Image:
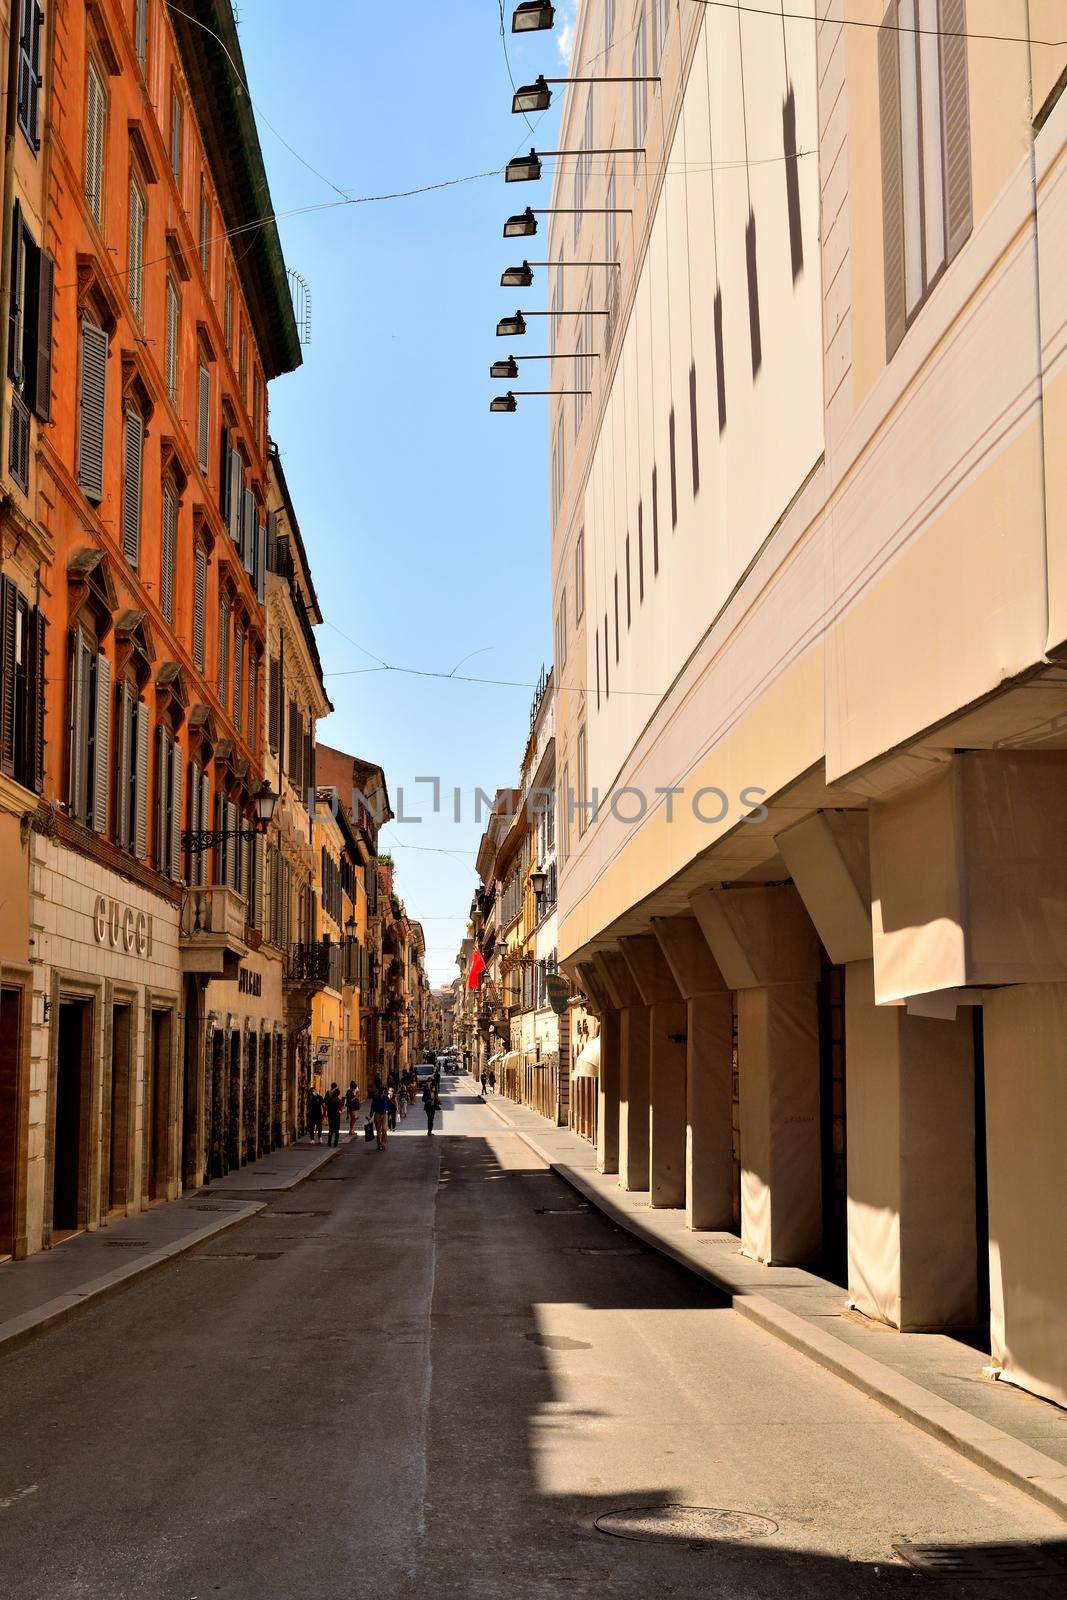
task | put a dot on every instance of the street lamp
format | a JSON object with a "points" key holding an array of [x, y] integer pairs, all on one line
{"points": [[197, 840], [516, 325], [508, 326], [538, 880], [527, 169], [537, 96], [517, 277], [506, 402], [510, 367], [532, 16], [504, 369], [524, 224], [350, 927]]}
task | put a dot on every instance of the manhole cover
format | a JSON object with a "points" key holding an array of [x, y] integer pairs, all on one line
{"points": [[987, 1560], [696, 1526], [125, 1244]]}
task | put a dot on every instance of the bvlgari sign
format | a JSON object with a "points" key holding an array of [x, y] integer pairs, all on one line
{"points": [[122, 927]]}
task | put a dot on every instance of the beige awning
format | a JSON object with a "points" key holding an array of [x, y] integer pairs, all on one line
{"points": [[588, 1063], [513, 1058]]}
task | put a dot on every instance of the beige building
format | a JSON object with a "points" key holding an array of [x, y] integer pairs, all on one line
{"points": [[810, 590]]}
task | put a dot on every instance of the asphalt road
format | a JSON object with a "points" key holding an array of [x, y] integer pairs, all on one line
{"points": [[428, 1372]]}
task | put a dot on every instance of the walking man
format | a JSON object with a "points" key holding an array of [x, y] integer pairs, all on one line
{"points": [[380, 1112], [315, 1109], [333, 1114], [485, 1082], [352, 1107], [431, 1104]]}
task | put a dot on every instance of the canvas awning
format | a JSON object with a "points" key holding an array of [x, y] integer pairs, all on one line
{"points": [[588, 1063], [513, 1058]]}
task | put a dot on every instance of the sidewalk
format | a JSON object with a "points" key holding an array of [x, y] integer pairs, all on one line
{"points": [[931, 1380], [45, 1289]]}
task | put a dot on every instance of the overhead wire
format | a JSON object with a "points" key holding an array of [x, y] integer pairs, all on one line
{"points": [[889, 27]]}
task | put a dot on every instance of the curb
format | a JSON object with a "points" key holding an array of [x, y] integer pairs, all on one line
{"points": [[21, 1329], [218, 1185], [1039, 1476]]}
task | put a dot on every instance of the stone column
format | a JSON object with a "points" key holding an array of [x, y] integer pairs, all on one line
{"points": [[666, 1068], [709, 1165], [633, 1069], [607, 1123], [767, 949]]}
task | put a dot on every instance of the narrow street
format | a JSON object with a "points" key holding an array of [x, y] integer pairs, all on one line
{"points": [[452, 1369]]}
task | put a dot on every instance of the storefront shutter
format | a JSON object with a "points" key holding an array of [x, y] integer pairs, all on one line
{"points": [[175, 810], [133, 457], [42, 398], [8, 609], [101, 743], [92, 395], [956, 111], [140, 839], [892, 187]]}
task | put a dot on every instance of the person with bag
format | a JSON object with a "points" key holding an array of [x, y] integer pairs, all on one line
{"points": [[352, 1107], [431, 1104], [316, 1105], [333, 1114], [380, 1112]]}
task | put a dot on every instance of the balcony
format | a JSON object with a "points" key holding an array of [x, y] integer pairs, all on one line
{"points": [[212, 934], [310, 964]]}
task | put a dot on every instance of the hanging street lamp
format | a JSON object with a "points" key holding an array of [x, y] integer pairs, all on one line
{"points": [[522, 277], [532, 16], [509, 327], [510, 367], [527, 169], [537, 96], [506, 402], [524, 224], [197, 840]]}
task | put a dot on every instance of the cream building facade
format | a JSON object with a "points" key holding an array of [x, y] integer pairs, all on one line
{"points": [[808, 551]]}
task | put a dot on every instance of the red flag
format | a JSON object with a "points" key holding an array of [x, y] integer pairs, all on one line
{"points": [[477, 967]]}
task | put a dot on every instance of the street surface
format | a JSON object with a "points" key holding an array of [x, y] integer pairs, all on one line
{"points": [[427, 1372]]}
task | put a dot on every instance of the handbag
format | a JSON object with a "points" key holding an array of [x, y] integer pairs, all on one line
{"points": [[368, 1131]]}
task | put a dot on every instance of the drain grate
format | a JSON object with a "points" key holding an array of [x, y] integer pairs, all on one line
{"points": [[271, 1214], [604, 1249], [696, 1526], [197, 1210], [125, 1244], [987, 1560], [560, 1211], [239, 1255]]}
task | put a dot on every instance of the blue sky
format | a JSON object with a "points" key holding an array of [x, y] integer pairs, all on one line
{"points": [[425, 518]]}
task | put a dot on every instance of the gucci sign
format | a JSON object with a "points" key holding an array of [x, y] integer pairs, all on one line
{"points": [[121, 927]]}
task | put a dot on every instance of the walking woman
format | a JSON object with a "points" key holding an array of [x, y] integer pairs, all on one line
{"points": [[352, 1107], [316, 1106], [431, 1104]]}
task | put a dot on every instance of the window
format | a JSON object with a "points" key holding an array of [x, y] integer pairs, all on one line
{"points": [[140, 30], [579, 577], [199, 820], [582, 777], [257, 408], [253, 698], [135, 257], [639, 90], [169, 772], [925, 139], [90, 726], [609, 24], [199, 604], [22, 680], [655, 523], [29, 340], [607, 670], [242, 369], [228, 317], [597, 648], [557, 302], [224, 650], [611, 247], [92, 394], [558, 465], [131, 772], [95, 133], [169, 557], [659, 32], [31, 35], [274, 703], [177, 129], [171, 351], [205, 227], [203, 419], [238, 675], [673, 462], [132, 477], [640, 550], [18, 455], [561, 630], [583, 167]]}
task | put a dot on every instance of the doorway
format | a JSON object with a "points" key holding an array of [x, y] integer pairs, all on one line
{"points": [[157, 1105], [233, 1140], [832, 1124], [70, 1117], [217, 1163], [118, 1159], [11, 1041]]}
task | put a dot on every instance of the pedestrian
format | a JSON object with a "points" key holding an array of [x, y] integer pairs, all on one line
{"points": [[334, 1103], [492, 1081], [316, 1105], [379, 1108], [485, 1082], [352, 1107], [431, 1104], [392, 1110], [402, 1100]]}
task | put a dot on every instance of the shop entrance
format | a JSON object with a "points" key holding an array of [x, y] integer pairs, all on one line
{"points": [[233, 1126], [832, 1124], [70, 1114], [217, 1106], [157, 1106], [118, 1160], [10, 1099]]}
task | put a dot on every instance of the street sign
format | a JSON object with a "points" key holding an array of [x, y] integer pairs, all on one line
{"points": [[558, 992]]}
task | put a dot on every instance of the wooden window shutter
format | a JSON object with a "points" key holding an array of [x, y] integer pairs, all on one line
{"points": [[237, 482], [203, 430], [170, 551], [140, 822], [133, 457], [162, 809], [135, 262], [176, 137], [101, 778], [8, 628], [42, 397], [274, 707], [199, 604], [15, 297], [238, 674], [892, 186], [205, 812], [78, 710], [272, 541], [261, 562], [95, 112], [231, 851], [35, 677], [248, 529], [955, 111], [224, 651], [124, 727], [253, 696], [224, 477], [171, 349], [293, 763], [92, 397], [175, 810], [243, 885]]}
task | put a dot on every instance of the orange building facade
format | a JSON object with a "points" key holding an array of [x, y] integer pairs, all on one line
{"points": [[137, 422]]}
